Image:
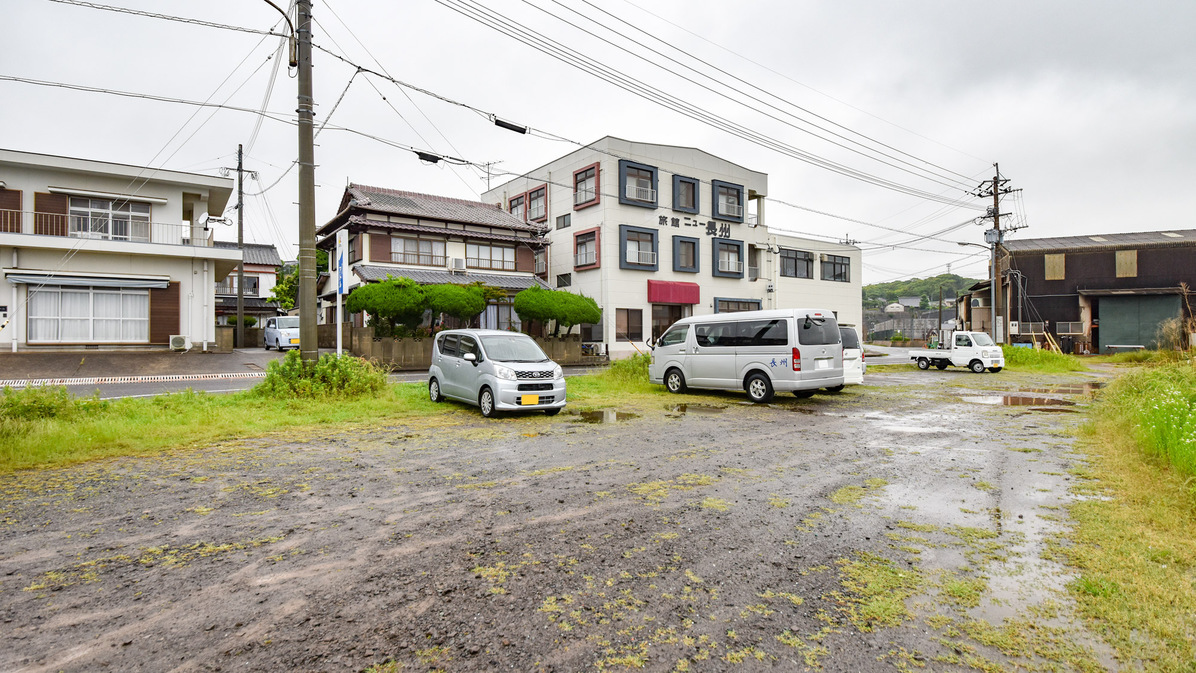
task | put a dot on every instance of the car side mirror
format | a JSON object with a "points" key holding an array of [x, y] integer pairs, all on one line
{"points": [[650, 343], [470, 357]]}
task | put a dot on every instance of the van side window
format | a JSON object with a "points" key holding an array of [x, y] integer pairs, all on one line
{"points": [[963, 340], [448, 345], [818, 331], [715, 335], [674, 336], [763, 333]]}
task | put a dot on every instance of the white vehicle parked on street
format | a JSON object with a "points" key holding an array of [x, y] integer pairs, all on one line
{"points": [[974, 350], [281, 332], [495, 371], [793, 350], [854, 366]]}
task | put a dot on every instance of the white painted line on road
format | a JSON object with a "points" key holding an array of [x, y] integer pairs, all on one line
{"points": [[24, 383]]}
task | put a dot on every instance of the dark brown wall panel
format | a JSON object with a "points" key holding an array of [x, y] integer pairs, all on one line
{"points": [[525, 259], [379, 248], [50, 214], [10, 211], [164, 313]]}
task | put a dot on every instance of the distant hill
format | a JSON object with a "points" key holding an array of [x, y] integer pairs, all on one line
{"points": [[880, 294]]}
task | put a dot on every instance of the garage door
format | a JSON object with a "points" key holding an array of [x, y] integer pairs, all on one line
{"points": [[1127, 321]]}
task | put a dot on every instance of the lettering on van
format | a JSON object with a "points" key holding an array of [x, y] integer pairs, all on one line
{"points": [[784, 362], [713, 229]]}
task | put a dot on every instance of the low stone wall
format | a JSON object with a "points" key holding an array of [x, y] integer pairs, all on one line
{"points": [[224, 339], [326, 335], [416, 353]]}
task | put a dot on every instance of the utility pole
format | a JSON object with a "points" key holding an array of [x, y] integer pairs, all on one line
{"points": [[994, 237], [939, 329], [241, 249], [308, 346]]}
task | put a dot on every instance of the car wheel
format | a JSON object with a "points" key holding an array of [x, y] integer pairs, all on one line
{"points": [[434, 391], [977, 366], [486, 402], [803, 394], [923, 364], [994, 369], [759, 389], [551, 412], [674, 381], [836, 389], [941, 365], [265, 344]]}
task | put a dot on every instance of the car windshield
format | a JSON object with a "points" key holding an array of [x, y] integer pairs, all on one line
{"points": [[288, 323], [513, 348], [850, 340], [983, 339]]}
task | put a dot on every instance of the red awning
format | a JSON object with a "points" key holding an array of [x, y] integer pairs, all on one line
{"points": [[670, 292]]}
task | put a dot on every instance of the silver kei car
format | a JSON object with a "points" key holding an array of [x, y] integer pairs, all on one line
{"points": [[495, 371]]}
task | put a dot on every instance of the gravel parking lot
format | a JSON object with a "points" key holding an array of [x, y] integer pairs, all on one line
{"points": [[898, 525]]}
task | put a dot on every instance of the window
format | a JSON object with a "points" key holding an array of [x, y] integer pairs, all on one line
{"points": [[417, 251], [797, 264], [728, 200], [685, 254], [629, 324], [1054, 267], [735, 305], [585, 187], [728, 258], [639, 248], [564, 279], [963, 341], [487, 256], [685, 194], [637, 184], [763, 333], [585, 249], [541, 259], [516, 206], [229, 285], [1127, 263], [448, 344], [355, 248], [537, 204], [84, 314], [674, 336], [664, 315], [837, 268], [592, 332], [563, 221], [114, 220]]}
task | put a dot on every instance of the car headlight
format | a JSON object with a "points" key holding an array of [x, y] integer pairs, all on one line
{"points": [[557, 372], [504, 373]]}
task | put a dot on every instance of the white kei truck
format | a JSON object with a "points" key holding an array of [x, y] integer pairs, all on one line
{"points": [[974, 350]]}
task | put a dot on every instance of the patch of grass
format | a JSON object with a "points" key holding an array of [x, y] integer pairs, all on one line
{"points": [[1156, 406], [877, 591], [965, 592], [328, 377], [1042, 361], [1135, 547]]}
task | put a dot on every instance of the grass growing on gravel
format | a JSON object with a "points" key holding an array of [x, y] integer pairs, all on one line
{"points": [[1135, 550], [1040, 360]]}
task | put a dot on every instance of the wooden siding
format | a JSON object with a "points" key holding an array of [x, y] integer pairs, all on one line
{"points": [[51, 214], [10, 211], [525, 259], [163, 313], [379, 247]]}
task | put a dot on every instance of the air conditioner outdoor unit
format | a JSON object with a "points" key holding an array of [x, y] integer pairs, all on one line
{"points": [[978, 302], [457, 264], [180, 342]]}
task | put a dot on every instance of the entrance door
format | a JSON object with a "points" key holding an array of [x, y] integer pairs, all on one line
{"points": [[664, 315]]}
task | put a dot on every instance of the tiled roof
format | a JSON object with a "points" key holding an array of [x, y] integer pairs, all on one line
{"points": [[1144, 239], [428, 206], [430, 277], [257, 304], [329, 241], [255, 253]]}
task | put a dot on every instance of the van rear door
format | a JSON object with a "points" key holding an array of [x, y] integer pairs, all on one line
{"points": [[820, 346]]}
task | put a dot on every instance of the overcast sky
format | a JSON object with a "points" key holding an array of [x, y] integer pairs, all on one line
{"points": [[1088, 106]]}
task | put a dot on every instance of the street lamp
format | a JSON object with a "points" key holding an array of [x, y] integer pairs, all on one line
{"points": [[992, 287]]}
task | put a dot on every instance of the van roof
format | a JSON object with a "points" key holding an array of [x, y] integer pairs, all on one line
{"points": [[764, 314]]}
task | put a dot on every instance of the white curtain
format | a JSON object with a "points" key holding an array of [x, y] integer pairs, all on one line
{"points": [[43, 315]]}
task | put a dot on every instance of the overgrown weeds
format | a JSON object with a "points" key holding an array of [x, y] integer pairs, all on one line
{"points": [[1156, 407], [330, 376], [1040, 360]]}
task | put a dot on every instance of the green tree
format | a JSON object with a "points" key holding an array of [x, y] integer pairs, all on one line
{"points": [[286, 288], [564, 309], [534, 303], [924, 302], [578, 310], [463, 302], [394, 301]]}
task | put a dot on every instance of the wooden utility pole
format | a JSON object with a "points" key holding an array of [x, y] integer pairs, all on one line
{"points": [[308, 346], [240, 249], [994, 237]]}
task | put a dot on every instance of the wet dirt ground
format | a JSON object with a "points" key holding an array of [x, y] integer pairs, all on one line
{"points": [[901, 525]]}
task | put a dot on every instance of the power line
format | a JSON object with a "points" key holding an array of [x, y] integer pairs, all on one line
{"points": [[168, 17]]}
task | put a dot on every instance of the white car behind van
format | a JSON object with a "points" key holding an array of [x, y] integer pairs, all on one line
{"points": [[761, 352]]}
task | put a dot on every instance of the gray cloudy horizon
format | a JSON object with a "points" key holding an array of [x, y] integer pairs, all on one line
{"points": [[1090, 107]]}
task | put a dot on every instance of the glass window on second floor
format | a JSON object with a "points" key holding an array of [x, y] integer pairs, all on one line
{"points": [[537, 204], [637, 184], [797, 264], [487, 256], [640, 248], [585, 186], [728, 202], [685, 194], [417, 251], [586, 249], [107, 219], [728, 258], [837, 268], [516, 206]]}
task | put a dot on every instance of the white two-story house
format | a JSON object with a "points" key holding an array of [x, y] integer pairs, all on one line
{"points": [[103, 255], [432, 240], [655, 233]]}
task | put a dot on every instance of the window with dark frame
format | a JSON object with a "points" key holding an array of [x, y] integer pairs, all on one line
{"points": [[516, 206], [729, 258], [585, 186], [736, 305], [564, 279], [687, 254], [592, 332], [637, 184], [563, 221], [489, 256], [586, 249], [797, 264], [537, 204], [629, 324], [685, 194], [640, 248], [836, 268]]}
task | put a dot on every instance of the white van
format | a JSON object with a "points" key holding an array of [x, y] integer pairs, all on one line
{"points": [[796, 350]]}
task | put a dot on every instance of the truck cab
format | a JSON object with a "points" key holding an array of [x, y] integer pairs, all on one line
{"points": [[974, 350]]}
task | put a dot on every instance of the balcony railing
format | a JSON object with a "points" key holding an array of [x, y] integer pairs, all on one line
{"points": [[1069, 327], [492, 264], [536, 213], [231, 288], [585, 258], [752, 219], [418, 258], [730, 209], [129, 230], [583, 196], [730, 266], [641, 193], [753, 273], [646, 257], [541, 267]]}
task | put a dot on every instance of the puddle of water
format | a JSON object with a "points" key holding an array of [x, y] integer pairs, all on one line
{"points": [[604, 416], [697, 409], [1016, 400], [1085, 388], [1056, 410]]}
